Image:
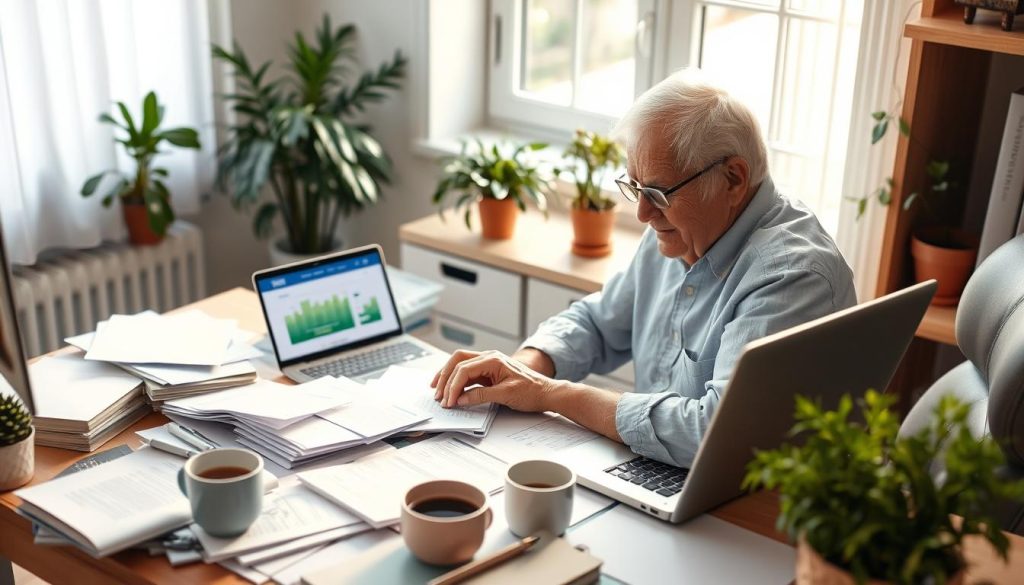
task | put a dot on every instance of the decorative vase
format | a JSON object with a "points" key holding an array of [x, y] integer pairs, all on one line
{"points": [[498, 218], [17, 463], [813, 569], [281, 254], [947, 255], [137, 220], [592, 232]]}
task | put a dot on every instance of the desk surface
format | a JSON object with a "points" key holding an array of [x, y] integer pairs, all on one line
{"points": [[540, 248], [69, 565]]}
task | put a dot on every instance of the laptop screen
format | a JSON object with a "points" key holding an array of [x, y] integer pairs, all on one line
{"points": [[327, 305]]}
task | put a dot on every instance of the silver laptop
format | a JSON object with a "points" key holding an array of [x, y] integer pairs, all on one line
{"points": [[845, 352], [335, 315]]}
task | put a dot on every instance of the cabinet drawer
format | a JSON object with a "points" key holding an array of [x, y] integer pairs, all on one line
{"points": [[544, 299], [472, 292], [450, 334]]}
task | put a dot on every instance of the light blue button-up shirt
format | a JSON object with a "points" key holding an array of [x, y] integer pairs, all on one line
{"points": [[684, 326]]}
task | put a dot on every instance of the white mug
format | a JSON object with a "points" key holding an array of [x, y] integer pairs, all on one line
{"points": [[538, 496]]}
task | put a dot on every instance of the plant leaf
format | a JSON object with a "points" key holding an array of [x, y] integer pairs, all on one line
{"points": [[879, 131], [878, 116], [909, 201], [150, 114], [91, 183], [184, 137], [904, 127]]}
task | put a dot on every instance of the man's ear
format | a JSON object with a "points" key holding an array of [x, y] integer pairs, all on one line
{"points": [[737, 176]]}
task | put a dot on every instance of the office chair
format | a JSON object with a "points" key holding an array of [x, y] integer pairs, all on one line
{"points": [[990, 333]]}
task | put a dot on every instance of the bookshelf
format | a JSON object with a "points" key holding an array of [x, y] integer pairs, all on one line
{"points": [[944, 94]]}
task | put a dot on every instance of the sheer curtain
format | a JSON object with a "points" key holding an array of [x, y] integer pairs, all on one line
{"points": [[62, 63]]}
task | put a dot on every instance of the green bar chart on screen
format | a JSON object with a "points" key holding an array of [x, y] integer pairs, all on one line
{"points": [[314, 319], [370, 312]]}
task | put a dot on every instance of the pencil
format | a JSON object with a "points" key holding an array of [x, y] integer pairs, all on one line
{"points": [[476, 567]]}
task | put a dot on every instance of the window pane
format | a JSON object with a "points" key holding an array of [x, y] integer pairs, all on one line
{"points": [[608, 60], [738, 52], [826, 8], [547, 54]]}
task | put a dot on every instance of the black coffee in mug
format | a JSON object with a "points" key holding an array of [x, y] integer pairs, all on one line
{"points": [[444, 507]]}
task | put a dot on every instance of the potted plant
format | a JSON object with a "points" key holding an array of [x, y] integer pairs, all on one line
{"points": [[297, 136], [145, 200], [500, 183], [17, 456], [862, 505], [593, 214]]}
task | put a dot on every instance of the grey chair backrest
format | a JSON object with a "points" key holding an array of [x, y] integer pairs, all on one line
{"points": [[990, 332]]}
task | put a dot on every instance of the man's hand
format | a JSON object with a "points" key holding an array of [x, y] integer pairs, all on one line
{"points": [[503, 380]]}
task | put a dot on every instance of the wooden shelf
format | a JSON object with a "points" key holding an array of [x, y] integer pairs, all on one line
{"points": [[939, 324], [948, 28]]}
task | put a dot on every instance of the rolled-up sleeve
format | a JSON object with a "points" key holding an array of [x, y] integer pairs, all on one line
{"points": [[594, 335], [669, 426]]}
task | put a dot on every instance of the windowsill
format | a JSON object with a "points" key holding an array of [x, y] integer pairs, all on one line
{"points": [[565, 190]]}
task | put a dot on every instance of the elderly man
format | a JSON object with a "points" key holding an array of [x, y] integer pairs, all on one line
{"points": [[726, 260]]}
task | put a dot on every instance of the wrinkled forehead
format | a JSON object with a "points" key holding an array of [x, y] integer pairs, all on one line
{"points": [[650, 157]]}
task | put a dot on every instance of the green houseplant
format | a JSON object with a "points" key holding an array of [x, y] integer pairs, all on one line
{"points": [[591, 156], [861, 498], [17, 455], [297, 135], [500, 181], [145, 199]]}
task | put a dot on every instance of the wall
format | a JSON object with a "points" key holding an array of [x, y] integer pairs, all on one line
{"points": [[263, 28]]}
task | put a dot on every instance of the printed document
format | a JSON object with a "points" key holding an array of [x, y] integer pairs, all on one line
{"points": [[373, 486], [410, 387], [189, 338]]}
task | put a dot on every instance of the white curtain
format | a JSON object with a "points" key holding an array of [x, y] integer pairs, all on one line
{"points": [[62, 63], [881, 80]]}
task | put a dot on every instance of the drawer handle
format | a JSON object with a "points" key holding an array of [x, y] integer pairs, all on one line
{"points": [[463, 338], [458, 273]]}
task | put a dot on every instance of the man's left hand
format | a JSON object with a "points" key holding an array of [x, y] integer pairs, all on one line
{"points": [[503, 379]]}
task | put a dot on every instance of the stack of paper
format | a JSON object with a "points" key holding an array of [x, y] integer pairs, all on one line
{"points": [[410, 388], [183, 354], [296, 425], [82, 404]]}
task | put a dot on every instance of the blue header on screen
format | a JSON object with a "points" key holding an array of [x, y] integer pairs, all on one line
{"points": [[320, 271]]}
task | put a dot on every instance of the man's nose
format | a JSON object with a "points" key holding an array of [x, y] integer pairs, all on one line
{"points": [[645, 211]]}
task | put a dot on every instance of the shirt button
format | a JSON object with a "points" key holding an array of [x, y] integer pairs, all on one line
{"points": [[689, 291]]}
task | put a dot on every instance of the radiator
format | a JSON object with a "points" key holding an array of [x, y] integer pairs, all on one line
{"points": [[68, 293]]}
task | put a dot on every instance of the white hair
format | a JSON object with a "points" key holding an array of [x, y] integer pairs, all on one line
{"points": [[702, 123]]}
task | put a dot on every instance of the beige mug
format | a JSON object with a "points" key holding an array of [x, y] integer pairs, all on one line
{"points": [[538, 496], [443, 521]]}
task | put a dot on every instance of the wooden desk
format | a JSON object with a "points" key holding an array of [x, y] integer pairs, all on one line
{"points": [[59, 565]]}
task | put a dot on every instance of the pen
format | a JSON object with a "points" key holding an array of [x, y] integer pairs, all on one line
{"points": [[190, 436], [476, 567], [172, 449]]}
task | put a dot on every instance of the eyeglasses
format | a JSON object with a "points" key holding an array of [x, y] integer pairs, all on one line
{"points": [[657, 197]]}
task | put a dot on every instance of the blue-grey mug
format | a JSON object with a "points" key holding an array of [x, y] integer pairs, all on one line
{"points": [[224, 488]]}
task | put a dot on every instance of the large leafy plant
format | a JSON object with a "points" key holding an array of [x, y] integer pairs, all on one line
{"points": [[297, 135], [142, 142], [592, 155], [864, 499], [494, 173]]}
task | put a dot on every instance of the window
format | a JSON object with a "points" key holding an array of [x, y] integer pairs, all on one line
{"points": [[561, 64]]}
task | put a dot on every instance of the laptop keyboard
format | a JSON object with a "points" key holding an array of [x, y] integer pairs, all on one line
{"points": [[661, 478], [366, 362]]}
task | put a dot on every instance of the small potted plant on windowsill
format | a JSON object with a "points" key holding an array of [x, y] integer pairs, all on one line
{"points": [[862, 505], [593, 214], [17, 455], [145, 199], [501, 184]]}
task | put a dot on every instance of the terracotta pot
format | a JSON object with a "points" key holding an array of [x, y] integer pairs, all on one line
{"points": [[17, 463], [812, 569], [592, 232], [139, 232], [498, 218], [948, 256]]}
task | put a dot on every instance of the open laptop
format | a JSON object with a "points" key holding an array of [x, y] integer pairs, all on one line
{"points": [[846, 352], [335, 315]]}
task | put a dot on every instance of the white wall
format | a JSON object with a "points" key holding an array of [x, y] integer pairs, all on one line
{"points": [[263, 28]]}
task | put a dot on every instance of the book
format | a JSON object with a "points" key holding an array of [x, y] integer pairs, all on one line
{"points": [[1004, 203]]}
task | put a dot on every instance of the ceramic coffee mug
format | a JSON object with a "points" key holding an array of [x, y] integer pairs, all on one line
{"points": [[538, 496], [443, 521], [225, 489]]}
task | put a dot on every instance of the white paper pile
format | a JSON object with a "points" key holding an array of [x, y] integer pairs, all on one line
{"points": [[296, 425], [178, 355], [82, 404], [410, 388]]}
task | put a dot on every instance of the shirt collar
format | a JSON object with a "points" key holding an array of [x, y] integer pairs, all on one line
{"points": [[726, 250]]}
